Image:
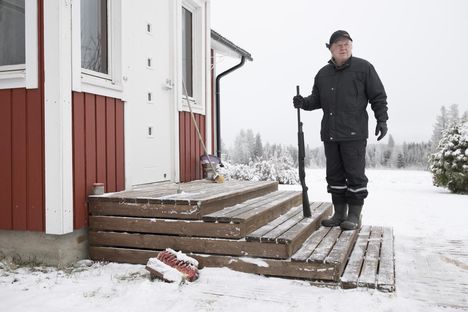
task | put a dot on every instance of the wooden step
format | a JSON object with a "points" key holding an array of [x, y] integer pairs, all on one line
{"points": [[285, 238], [231, 222], [372, 262], [196, 199], [323, 257], [256, 212], [315, 264]]}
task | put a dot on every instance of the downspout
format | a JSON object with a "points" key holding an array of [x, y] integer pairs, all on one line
{"points": [[218, 115]]}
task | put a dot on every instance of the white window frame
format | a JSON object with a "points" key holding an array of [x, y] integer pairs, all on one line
{"points": [[85, 80], [197, 102], [24, 75]]}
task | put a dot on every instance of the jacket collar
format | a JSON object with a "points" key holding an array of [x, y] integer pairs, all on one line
{"points": [[345, 65]]}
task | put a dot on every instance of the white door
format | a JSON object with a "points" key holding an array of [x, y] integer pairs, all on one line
{"points": [[148, 74]]}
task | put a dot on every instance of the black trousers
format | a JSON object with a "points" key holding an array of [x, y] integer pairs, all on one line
{"points": [[346, 162]]}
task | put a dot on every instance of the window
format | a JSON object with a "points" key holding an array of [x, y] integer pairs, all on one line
{"points": [[94, 36], [96, 39], [187, 51], [12, 35], [18, 44]]}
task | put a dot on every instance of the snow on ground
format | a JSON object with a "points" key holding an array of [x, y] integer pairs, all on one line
{"points": [[431, 245]]}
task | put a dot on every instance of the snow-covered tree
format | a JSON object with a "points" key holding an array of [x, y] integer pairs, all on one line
{"points": [[449, 164], [442, 121], [258, 148]]}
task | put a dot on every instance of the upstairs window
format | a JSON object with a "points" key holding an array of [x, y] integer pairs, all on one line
{"points": [[187, 50], [94, 38], [12, 35]]}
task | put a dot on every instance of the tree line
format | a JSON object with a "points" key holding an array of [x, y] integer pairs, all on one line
{"points": [[249, 148]]}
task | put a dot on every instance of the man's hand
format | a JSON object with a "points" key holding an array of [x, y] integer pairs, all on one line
{"points": [[298, 101], [382, 129]]}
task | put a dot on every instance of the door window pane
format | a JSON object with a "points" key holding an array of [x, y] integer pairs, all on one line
{"points": [[187, 59], [12, 33], [94, 34]]}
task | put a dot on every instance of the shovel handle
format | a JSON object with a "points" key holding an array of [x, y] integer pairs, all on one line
{"points": [[297, 90]]}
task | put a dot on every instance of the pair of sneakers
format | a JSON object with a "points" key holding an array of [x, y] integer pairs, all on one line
{"points": [[346, 220]]}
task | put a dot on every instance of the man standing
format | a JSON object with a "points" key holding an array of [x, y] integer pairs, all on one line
{"points": [[342, 89]]}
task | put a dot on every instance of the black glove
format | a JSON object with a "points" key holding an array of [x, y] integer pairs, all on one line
{"points": [[382, 128], [298, 101]]}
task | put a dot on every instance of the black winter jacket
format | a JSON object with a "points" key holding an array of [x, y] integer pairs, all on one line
{"points": [[343, 93]]}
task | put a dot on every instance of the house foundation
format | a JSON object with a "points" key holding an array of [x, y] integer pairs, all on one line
{"points": [[38, 247]]}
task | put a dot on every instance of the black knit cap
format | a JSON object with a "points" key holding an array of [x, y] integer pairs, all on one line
{"points": [[337, 35]]}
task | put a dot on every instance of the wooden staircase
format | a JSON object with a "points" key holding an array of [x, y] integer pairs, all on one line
{"points": [[246, 226]]}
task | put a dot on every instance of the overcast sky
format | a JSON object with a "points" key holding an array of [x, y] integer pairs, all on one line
{"points": [[419, 49]]}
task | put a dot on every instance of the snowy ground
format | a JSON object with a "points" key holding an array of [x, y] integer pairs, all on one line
{"points": [[431, 245]]}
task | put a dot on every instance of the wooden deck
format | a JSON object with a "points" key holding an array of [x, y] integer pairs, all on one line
{"points": [[246, 226]]}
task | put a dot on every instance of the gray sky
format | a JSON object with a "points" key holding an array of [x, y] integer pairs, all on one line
{"points": [[418, 47]]}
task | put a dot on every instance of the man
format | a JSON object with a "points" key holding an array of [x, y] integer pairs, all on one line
{"points": [[342, 89]]}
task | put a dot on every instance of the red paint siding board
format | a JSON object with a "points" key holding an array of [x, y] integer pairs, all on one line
{"points": [[5, 161], [188, 169], [198, 148], [101, 165], [119, 145], [181, 148], [110, 146], [79, 162], [90, 140], [203, 134], [193, 151], [19, 159], [35, 178]]}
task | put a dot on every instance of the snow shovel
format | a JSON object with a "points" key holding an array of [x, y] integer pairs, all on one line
{"points": [[301, 156]]}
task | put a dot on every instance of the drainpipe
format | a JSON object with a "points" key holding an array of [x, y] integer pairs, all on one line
{"points": [[218, 115]]}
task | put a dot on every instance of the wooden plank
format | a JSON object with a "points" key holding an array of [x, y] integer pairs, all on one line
{"points": [[304, 226], [19, 159], [166, 226], [79, 162], [325, 246], [121, 255], [35, 161], [310, 244], [228, 213], [266, 216], [386, 277], [129, 209], [90, 140], [101, 163], [182, 151], [259, 233], [6, 206], [269, 267], [285, 198], [368, 277], [272, 236], [340, 252], [119, 145], [110, 146], [350, 277], [189, 244]]}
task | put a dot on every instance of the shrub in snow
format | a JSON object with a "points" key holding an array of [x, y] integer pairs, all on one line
{"points": [[272, 170], [449, 164]]}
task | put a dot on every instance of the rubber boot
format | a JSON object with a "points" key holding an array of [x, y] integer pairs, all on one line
{"points": [[353, 221], [338, 217]]}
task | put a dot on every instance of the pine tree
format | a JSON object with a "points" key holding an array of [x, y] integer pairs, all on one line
{"points": [[441, 124], [449, 164], [258, 148]]}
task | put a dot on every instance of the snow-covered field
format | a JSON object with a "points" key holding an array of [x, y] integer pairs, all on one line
{"points": [[431, 245]]}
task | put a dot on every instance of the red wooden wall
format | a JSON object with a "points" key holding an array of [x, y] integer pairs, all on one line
{"points": [[190, 148], [21, 160], [22, 151], [98, 149]]}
